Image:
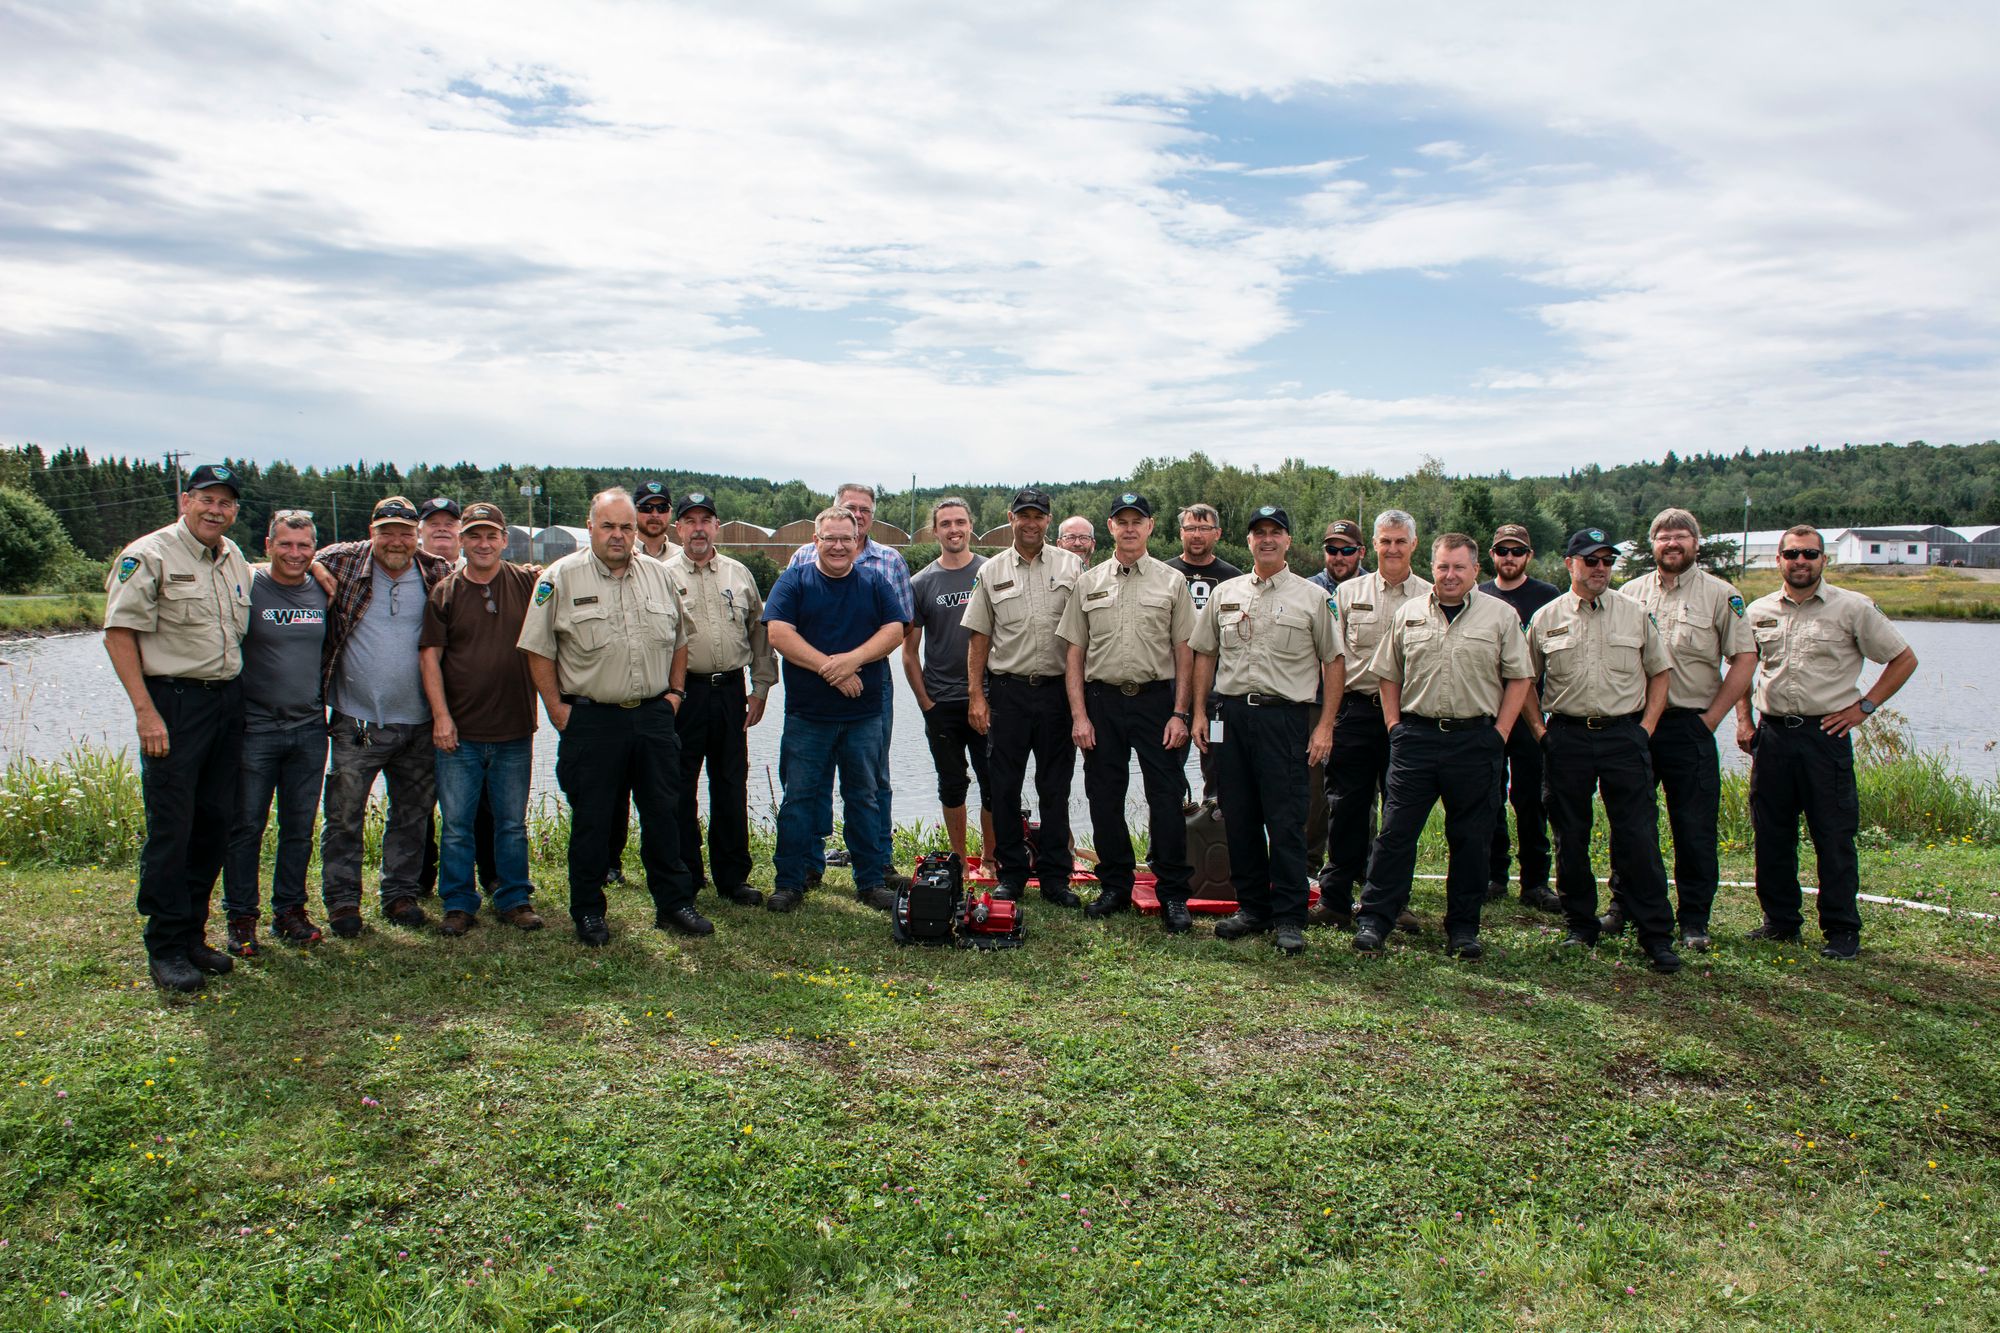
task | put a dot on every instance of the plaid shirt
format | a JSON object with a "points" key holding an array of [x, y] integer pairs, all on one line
{"points": [[353, 573], [884, 560]]}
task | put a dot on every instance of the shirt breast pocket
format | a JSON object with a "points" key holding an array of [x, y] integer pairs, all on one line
{"points": [[1560, 659], [1292, 631], [1364, 631], [1623, 654], [1234, 628], [1010, 608], [662, 626], [239, 612], [186, 604], [1770, 643], [590, 627], [1695, 635]]}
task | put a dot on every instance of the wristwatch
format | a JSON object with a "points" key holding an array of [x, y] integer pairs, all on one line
{"points": [[675, 689], [1187, 718], [1868, 706]]}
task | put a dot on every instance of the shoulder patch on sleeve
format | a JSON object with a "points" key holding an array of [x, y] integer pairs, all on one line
{"points": [[543, 591], [1736, 604], [1333, 606], [126, 567]]}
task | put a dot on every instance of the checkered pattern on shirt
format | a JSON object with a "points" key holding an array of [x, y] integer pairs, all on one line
{"points": [[353, 588]]}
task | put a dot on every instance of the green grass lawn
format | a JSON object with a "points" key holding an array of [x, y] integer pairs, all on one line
{"points": [[52, 614], [796, 1124], [1929, 594]]}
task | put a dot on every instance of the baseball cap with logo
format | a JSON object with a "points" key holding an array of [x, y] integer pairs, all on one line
{"points": [[213, 474], [437, 504], [1131, 500], [1344, 527], [1269, 514], [396, 509], [1030, 498], [1513, 532], [1586, 540], [651, 495], [483, 515], [694, 500]]}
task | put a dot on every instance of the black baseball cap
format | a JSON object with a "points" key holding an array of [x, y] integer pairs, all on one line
{"points": [[395, 509], [694, 500], [214, 474], [1269, 514], [1130, 500], [437, 504], [1030, 498], [652, 495], [1585, 540]]}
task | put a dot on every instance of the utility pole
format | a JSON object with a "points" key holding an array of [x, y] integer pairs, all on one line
{"points": [[335, 497], [1743, 557], [913, 509], [173, 458]]}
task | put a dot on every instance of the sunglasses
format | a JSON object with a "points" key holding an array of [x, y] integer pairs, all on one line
{"points": [[1333, 549], [1599, 561], [1799, 553], [654, 506], [1512, 552]]}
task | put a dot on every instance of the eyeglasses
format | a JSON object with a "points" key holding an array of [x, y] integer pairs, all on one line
{"points": [[1333, 549], [1199, 527], [1512, 552], [834, 541], [1599, 561], [1799, 553]]}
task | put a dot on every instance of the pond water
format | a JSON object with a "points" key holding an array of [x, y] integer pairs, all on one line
{"points": [[59, 692]]}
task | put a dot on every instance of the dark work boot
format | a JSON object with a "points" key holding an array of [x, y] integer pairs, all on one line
{"points": [[174, 972], [212, 961]]}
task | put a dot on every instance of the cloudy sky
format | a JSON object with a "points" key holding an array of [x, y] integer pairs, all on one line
{"points": [[996, 241]]}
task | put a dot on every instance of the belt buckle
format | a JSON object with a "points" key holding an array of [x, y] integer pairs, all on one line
{"points": [[719, 678], [1128, 690], [1794, 722], [1452, 724], [1251, 700], [1597, 723], [631, 703]]}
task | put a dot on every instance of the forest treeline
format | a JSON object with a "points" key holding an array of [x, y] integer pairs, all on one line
{"points": [[102, 503]]}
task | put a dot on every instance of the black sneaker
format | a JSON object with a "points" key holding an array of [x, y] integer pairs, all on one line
{"points": [[1542, 898], [1662, 957], [1060, 895], [1613, 920], [1467, 947], [243, 936], [1368, 935], [881, 898], [212, 961], [1109, 902], [1769, 933], [1239, 924], [346, 921], [1844, 947], [175, 973], [684, 921], [783, 900], [592, 932], [1175, 918]]}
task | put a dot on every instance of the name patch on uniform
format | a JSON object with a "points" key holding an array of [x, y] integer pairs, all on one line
{"points": [[1552, 633], [1230, 606], [1096, 596], [1418, 623], [1736, 605], [180, 578], [1767, 624], [1362, 606], [543, 591], [126, 566], [1002, 587], [584, 601]]}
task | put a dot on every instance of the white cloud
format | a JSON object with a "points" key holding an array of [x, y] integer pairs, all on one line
{"points": [[509, 231]]}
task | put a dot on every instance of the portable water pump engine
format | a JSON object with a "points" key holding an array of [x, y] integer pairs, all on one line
{"points": [[934, 910]]}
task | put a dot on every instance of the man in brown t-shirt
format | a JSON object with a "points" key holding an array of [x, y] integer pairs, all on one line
{"points": [[483, 720]]}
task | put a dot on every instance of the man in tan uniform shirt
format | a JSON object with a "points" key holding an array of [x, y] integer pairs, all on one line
{"points": [[176, 608], [1453, 673], [1811, 639], [1266, 642], [608, 652], [1358, 771], [1014, 672], [726, 636], [1604, 671], [1701, 618], [1130, 675]]}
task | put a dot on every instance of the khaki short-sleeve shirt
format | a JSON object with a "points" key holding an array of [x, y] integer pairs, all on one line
{"points": [[1809, 653], [1268, 636], [1457, 667], [1367, 606], [724, 620], [1595, 657], [1128, 620], [1702, 619], [1018, 604], [613, 639], [189, 606]]}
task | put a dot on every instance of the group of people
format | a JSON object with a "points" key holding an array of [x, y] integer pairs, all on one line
{"points": [[1331, 714]]}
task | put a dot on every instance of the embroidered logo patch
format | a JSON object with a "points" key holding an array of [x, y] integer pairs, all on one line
{"points": [[1736, 605], [543, 591], [1333, 607], [126, 566]]}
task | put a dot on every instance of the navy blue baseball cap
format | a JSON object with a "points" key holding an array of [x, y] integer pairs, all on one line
{"points": [[694, 500], [214, 474], [1269, 514], [1586, 540], [1130, 500], [652, 495]]}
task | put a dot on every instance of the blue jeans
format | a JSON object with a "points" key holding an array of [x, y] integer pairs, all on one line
{"points": [[290, 763], [808, 754], [496, 773]]}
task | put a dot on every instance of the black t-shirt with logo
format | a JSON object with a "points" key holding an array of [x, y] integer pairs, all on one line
{"points": [[1203, 579]]}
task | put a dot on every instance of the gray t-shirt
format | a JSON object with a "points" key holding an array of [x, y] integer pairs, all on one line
{"points": [[379, 679], [940, 596], [281, 653]]}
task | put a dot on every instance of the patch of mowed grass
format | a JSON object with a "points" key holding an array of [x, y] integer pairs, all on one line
{"points": [[51, 614], [1931, 594], [794, 1123]]}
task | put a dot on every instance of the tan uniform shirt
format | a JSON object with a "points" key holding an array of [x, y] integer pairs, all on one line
{"points": [[189, 605], [1457, 667], [1595, 657], [725, 620], [669, 549], [1018, 604], [613, 639], [1365, 609], [1129, 619], [1268, 636], [1701, 617], [1810, 652]]}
